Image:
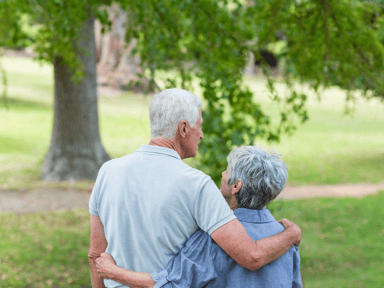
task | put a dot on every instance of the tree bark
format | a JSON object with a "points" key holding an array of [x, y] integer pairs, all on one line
{"points": [[76, 151], [250, 68]]}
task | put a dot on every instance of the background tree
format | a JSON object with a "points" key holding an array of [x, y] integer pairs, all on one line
{"points": [[210, 41], [65, 37]]}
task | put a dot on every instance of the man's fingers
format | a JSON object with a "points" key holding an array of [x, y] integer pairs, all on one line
{"points": [[286, 223]]}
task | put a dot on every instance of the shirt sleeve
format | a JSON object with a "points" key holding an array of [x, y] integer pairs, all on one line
{"points": [[211, 211], [93, 200], [194, 266], [297, 282]]}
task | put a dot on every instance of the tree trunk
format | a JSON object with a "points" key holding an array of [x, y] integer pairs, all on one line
{"points": [[76, 151], [98, 39], [112, 42], [250, 68]]}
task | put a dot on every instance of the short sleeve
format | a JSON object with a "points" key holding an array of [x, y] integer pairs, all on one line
{"points": [[211, 211], [93, 200]]}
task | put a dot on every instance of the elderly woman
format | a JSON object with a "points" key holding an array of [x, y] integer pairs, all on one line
{"points": [[252, 180]]}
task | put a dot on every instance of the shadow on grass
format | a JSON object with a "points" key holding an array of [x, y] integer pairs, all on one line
{"points": [[23, 104], [14, 145]]}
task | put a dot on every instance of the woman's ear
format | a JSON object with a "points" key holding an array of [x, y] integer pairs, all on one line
{"points": [[238, 185]]}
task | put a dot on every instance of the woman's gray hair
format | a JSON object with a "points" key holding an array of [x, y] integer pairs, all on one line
{"points": [[263, 174], [168, 108]]}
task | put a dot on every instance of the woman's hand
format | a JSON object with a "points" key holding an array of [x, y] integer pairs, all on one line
{"points": [[106, 266]]}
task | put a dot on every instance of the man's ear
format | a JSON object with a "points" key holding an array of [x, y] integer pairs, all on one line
{"points": [[238, 185], [182, 128]]}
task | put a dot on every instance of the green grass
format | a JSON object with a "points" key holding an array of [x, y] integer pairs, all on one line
{"points": [[343, 240], [328, 149], [45, 249], [342, 244], [331, 148]]}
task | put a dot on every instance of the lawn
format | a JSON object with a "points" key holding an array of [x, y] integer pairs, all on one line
{"points": [[331, 148], [342, 244], [328, 149]]}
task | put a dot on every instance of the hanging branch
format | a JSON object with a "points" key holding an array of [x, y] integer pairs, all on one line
{"points": [[4, 80]]}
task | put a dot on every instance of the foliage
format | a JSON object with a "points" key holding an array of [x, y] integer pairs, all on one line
{"points": [[212, 40], [4, 81], [51, 27], [340, 243]]}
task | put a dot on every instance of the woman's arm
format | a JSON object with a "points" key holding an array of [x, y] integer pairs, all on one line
{"points": [[107, 269]]}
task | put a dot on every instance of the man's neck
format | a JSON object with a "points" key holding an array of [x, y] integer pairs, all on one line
{"points": [[166, 143], [233, 206], [232, 202]]}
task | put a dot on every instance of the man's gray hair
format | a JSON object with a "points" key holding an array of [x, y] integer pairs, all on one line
{"points": [[168, 108], [263, 174]]}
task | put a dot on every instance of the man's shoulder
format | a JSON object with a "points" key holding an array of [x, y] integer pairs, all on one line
{"points": [[194, 172], [120, 160]]}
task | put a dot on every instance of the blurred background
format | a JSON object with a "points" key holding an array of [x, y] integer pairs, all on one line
{"points": [[304, 78]]}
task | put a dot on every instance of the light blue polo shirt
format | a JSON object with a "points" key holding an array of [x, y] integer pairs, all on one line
{"points": [[150, 202]]}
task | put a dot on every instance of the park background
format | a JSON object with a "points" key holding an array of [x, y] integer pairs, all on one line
{"points": [[342, 242]]}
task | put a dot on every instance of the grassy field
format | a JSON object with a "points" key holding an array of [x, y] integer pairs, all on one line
{"points": [[329, 149], [342, 244], [342, 238]]}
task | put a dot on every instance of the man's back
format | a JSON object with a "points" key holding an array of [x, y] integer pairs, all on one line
{"points": [[150, 202]]}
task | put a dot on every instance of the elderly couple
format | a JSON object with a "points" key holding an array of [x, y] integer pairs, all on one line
{"points": [[153, 214]]}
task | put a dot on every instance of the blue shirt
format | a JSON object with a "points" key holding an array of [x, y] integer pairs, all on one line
{"points": [[150, 202], [202, 262]]}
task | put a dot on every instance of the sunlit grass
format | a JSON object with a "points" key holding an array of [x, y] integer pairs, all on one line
{"points": [[328, 149]]}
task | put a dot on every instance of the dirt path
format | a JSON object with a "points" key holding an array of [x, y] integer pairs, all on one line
{"points": [[346, 190], [47, 199], [44, 199]]}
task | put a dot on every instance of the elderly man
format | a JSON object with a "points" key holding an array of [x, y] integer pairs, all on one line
{"points": [[145, 205], [253, 179]]}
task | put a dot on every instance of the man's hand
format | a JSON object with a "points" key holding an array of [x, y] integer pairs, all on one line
{"points": [[106, 266], [293, 227]]}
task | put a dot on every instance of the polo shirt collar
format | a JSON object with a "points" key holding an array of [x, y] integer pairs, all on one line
{"points": [[254, 216], [158, 150]]}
